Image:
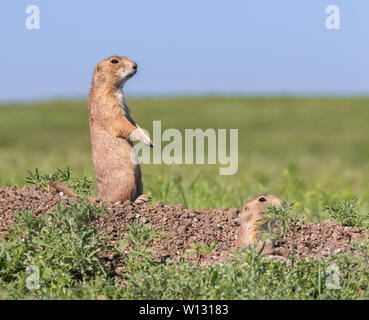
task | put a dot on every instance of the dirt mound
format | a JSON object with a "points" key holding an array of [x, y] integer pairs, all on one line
{"points": [[319, 240], [182, 227], [185, 227], [13, 199]]}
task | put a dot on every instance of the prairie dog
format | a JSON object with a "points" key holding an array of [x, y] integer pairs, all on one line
{"points": [[112, 128], [117, 171], [251, 214]]}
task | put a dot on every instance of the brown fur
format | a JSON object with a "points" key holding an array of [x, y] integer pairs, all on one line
{"points": [[112, 128], [251, 214], [60, 187]]}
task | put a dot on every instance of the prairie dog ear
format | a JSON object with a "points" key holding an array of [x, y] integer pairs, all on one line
{"points": [[97, 68], [245, 208]]}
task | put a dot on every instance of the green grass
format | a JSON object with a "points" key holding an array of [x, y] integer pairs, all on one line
{"points": [[60, 260], [305, 150], [310, 150]]}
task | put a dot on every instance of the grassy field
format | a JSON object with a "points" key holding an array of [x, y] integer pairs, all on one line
{"points": [[310, 150], [306, 150]]}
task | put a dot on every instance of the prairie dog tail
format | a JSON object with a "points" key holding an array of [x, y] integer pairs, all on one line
{"points": [[60, 187]]}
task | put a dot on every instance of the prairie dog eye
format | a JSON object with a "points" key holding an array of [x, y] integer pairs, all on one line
{"points": [[114, 61], [262, 200]]}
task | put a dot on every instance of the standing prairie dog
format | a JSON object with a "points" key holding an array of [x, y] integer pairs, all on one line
{"points": [[112, 128], [251, 214], [117, 171]]}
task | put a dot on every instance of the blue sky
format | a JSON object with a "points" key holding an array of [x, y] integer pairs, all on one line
{"points": [[186, 47]]}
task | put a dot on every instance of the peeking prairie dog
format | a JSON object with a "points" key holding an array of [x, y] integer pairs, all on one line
{"points": [[118, 174], [251, 216]]}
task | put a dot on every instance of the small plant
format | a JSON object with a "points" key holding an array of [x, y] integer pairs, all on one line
{"points": [[79, 185], [202, 250], [279, 218], [139, 243], [11, 259], [363, 247], [348, 213], [62, 244]]}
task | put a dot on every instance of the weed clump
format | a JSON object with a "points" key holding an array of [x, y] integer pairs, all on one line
{"points": [[81, 185], [348, 213], [279, 219], [60, 246]]}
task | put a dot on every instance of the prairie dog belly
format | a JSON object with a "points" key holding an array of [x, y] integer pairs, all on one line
{"points": [[118, 177]]}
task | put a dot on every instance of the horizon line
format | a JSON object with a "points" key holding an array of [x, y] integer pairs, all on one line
{"points": [[196, 96]]}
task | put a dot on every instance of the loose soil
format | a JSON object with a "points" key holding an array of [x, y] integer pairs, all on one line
{"points": [[185, 227]]}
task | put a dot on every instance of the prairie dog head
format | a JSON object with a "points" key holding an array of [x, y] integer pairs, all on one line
{"points": [[251, 215], [114, 71]]}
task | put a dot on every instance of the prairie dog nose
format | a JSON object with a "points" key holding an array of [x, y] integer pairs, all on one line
{"points": [[134, 66]]}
